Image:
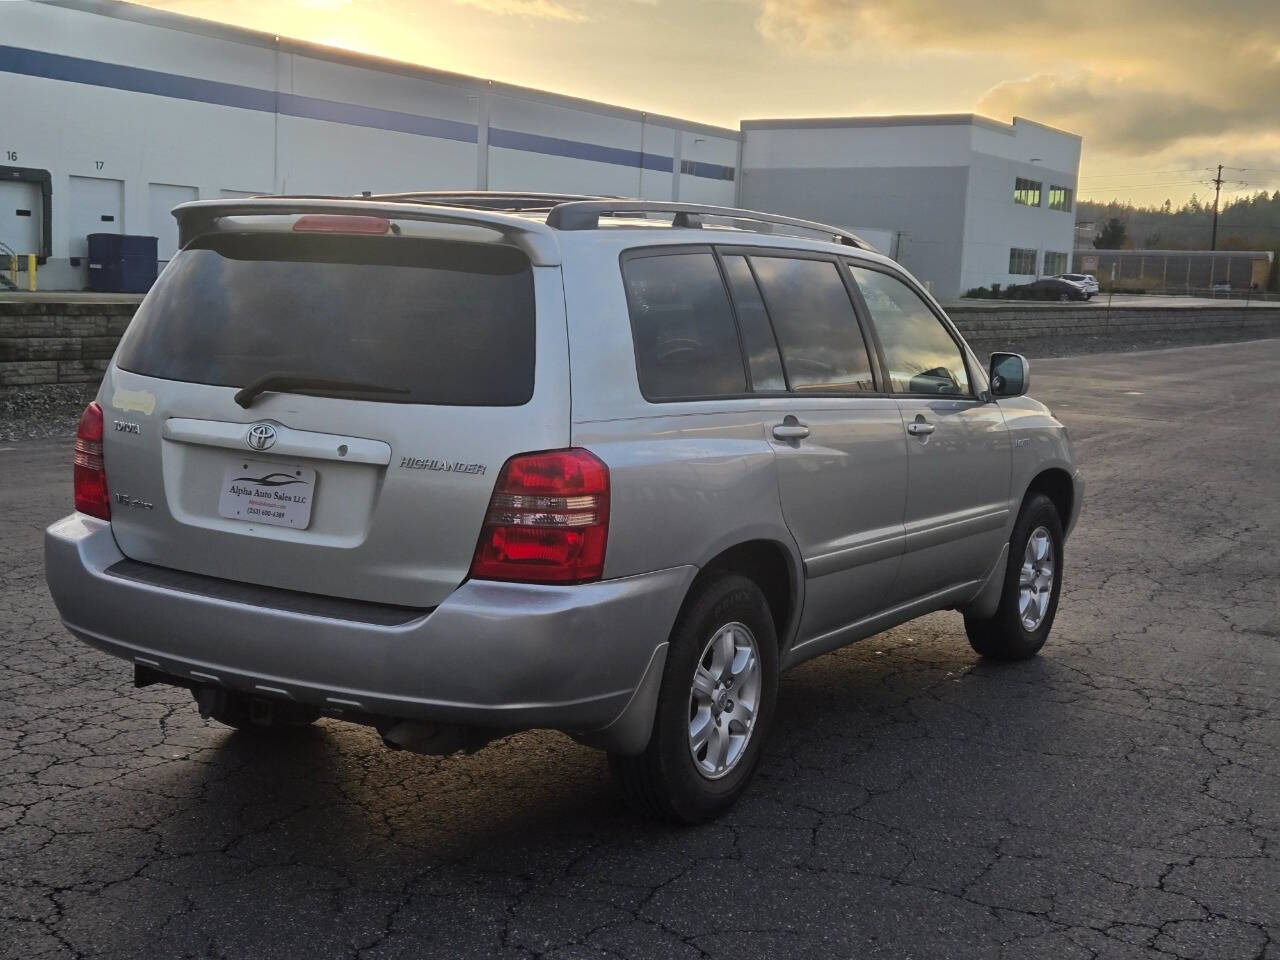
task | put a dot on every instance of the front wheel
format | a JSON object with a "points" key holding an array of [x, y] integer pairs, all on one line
{"points": [[1032, 582], [715, 707]]}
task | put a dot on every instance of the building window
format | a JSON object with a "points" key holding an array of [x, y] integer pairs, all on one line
{"points": [[1054, 263], [1026, 192], [709, 171], [1060, 199], [1022, 261]]}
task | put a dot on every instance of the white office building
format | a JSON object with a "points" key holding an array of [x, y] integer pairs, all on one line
{"points": [[960, 200], [115, 113]]}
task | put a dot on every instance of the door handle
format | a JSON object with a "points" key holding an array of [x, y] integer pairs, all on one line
{"points": [[790, 429], [920, 428]]}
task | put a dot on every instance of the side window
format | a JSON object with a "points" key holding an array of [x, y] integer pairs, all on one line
{"points": [[753, 323], [685, 339], [818, 333], [918, 350]]}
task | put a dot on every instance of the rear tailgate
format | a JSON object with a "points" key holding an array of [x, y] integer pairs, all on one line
{"points": [[367, 496]]}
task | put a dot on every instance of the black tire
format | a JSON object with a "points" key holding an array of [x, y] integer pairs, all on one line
{"points": [[1003, 636], [664, 781], [248, 715]]}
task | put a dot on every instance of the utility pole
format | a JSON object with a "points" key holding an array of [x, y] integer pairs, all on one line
{"points": [[1217, 188]]}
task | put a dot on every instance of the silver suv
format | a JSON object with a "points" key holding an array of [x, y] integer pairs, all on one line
{"points": [[458, 465]]}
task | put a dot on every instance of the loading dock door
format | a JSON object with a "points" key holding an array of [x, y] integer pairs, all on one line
{"points": [[21, 213], [162, 198], [96, 205]]}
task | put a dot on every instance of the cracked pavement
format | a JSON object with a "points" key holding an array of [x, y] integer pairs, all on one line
{"points": [[1117, 797]]}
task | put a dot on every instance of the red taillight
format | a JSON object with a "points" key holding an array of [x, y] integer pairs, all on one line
{"points": [[90, 476], [548, 520], [341, 223]]}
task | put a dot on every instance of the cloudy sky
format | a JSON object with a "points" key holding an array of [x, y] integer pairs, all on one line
{"points": [[1160, 89]]}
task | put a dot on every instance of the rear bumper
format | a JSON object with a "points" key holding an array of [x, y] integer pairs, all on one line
{"points": [[583, 659]]}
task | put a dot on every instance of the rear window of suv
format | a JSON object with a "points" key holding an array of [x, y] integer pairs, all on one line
{"points": [[450, 323]]}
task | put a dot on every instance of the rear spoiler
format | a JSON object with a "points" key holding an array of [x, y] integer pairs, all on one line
{"points": [[538, 241]]}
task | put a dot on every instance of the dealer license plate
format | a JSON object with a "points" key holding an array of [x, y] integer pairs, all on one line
{"points": [[276, 493]]}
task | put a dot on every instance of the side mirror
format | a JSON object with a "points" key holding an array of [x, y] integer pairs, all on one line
{"points": [[1010, 375]]}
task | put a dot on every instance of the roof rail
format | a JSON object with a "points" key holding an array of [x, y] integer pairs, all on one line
{"points": [[488, 199], [586, 214]]}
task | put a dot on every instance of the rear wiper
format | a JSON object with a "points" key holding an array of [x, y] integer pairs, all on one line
{"points": [[306, 383]]}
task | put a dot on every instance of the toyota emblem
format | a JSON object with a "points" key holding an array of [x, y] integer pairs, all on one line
{"points": [[261, 436]]}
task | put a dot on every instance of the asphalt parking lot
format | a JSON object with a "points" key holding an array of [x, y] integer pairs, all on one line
{"points": [[1117, 797]]}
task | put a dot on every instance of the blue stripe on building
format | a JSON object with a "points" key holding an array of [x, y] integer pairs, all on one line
{"points": [[313, 108], [55, 66], [577, 150]]}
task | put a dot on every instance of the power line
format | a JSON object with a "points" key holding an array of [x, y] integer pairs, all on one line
{"points": [[1217, 189], [1141, 186], [1140, 173], [1110, 177]]}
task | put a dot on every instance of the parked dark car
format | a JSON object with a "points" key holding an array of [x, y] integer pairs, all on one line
{"points": [[1048, 288]]}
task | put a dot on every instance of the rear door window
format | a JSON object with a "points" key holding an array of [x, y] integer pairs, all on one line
{"points": [[753, 323], [450, 323], [686, 341], [921, 355], [817, 329]]}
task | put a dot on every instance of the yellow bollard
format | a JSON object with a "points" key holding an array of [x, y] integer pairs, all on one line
{"points": [[31, 272]]}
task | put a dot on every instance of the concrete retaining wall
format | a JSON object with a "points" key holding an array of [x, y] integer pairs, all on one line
{"points": [[62, 341], [1053, 330], [53, 341]]}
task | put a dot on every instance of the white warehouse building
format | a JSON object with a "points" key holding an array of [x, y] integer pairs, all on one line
{"points": [[115, 113], [967, 201]]}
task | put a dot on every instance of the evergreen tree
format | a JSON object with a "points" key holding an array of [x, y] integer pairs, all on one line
{"points": [[1113, 235]]}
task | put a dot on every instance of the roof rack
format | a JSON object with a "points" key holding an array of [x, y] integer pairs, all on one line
{"points": [[586, 214], [565, 211], [488, 200]]}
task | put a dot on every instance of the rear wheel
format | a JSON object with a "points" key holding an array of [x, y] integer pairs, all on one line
{"points": [[1032, 582], [253, 714], [715, 707]]}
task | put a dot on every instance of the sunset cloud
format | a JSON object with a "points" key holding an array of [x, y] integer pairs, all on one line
{"points": [[1132, 76], [1125, 115], [1150, 84], [540, 9]]}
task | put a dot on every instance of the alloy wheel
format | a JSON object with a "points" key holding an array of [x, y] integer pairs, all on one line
{"points": [[723, 700], [1035, 579]]}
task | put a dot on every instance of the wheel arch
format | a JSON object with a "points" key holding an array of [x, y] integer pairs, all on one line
{"points": [[774, 569], [1056, 484]]}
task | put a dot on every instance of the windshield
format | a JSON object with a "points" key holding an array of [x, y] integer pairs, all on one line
{"points": [[449, 323]]}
